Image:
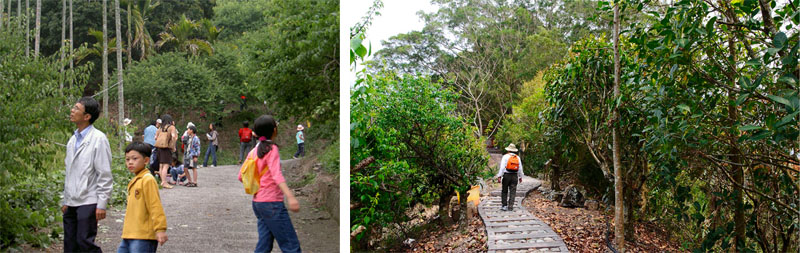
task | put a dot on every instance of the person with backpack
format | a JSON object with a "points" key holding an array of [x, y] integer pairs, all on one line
{"points": [[274, 223], [87, 181], [166, 137], [511, 174], [245, 138]]}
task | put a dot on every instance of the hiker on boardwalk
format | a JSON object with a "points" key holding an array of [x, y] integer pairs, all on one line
{"points": [[166, 137], [145, 225], [87, 181], [274, 223], [510, 170], [245, 140], [213, 145], [301, 139]]}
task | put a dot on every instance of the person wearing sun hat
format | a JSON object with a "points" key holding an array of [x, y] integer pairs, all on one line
{"points": [[510, 169], [301, 139]]}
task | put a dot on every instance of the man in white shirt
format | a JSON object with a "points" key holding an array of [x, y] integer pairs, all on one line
{"points": [[88, 181], [511, 172]]}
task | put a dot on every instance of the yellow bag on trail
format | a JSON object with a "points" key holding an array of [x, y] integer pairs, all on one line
{"points": [[251, 177]]}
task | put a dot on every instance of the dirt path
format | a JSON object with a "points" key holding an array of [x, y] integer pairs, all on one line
{"points": [[217, 216]]}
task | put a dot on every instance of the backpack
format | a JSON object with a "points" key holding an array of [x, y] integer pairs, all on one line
{"points": [[251, 177], [247, 135], [513, 163], [164, 138]]}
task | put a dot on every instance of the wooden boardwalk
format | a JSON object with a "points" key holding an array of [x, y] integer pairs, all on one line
{"points": [[517, 230]]}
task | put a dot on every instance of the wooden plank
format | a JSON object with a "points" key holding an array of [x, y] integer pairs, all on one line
{"points": [[512, 219], [527, 236], [500, 224], [526, 228], [515, 246]]}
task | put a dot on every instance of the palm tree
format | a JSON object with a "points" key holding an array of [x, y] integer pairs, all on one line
{"points": [[27, 28], [98, 48], [183, 37], [142, 38], [130, 52], [63, 31], [38, 32], [105, 57], [120, 97]]}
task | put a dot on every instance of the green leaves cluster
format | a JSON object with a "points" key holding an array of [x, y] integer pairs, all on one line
{"points": [[423, 152]]}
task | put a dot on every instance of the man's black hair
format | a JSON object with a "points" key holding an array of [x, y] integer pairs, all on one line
{"points": [[142, 148], [153, 122], [245, 123], [194, 129], [91, 107]]}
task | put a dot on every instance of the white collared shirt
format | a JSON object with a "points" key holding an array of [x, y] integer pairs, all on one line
{"points": [[79, 136]]}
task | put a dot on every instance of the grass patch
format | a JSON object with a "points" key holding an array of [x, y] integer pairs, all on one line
{"points": [[307, 179]]}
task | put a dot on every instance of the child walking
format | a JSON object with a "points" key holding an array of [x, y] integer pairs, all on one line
{"points": [[273, 219], [145, 224]]}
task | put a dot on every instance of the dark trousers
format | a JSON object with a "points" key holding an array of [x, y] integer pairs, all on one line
{"points": [[301, 150], [80, 229], [510, 181]]}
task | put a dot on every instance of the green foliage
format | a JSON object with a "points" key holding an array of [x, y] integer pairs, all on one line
{"points": [[330, 158], [31, 141], [171, 82], [237, 17], [423, 153], [296, 67], [189, 36]]}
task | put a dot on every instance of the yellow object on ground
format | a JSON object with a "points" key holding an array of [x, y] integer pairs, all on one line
{"points": [[474, 195]]}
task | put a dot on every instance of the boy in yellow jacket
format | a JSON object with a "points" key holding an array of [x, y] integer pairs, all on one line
{"points": [[145, 224]]}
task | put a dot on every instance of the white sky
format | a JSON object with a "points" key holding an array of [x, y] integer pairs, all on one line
{"points": [[397, 16]]}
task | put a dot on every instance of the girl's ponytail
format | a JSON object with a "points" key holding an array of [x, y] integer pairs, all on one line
{"points": [[264, 128]]}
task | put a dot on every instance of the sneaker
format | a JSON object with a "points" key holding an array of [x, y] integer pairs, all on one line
{"points": [[510, 209], [212, 166], [504, 208]]}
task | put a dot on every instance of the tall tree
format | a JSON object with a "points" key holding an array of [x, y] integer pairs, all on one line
{"points": [[1, 14], [38, 28], [120, 97], [71, 38], [619, 219], [63, 37], [105, 58], [130, 52], [142, 37], [27, 28], [19, 13]]}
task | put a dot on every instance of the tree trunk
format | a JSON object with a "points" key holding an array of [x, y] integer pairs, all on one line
{"points": [[38, 32], [1, 14], [27, 28], [130, 52], [120, 97], [19, 13], [63, 32], [105, 57], [733, 116], [71, 39], [619, 216]]}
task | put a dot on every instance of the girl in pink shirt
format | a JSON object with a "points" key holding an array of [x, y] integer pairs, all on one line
{"points": [[273, 219]]}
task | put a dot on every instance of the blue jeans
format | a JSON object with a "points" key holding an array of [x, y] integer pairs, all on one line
{"points": [[274, 224], [213, 150], [301, 150], [134, 245]]}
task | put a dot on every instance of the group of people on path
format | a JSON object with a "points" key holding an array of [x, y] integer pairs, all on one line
{"points": [[88, 184], [246, 137], [162, 136]]}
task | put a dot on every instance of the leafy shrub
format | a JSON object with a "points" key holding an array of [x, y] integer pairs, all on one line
{"points": [[423, 152]]}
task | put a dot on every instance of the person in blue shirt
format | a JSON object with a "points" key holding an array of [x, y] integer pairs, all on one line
{"points": [[301, 139], [150, 138]]}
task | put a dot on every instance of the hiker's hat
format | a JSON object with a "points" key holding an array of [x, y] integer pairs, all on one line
{"points": [[511, 148], [190, 124], [126, 121], [300, 128], [158, 121]]}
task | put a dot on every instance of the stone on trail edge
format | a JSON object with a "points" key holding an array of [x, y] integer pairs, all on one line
{"points": [[518, 230]]}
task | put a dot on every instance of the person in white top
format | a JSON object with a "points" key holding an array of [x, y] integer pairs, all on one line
{"points": [[510, 170]]}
